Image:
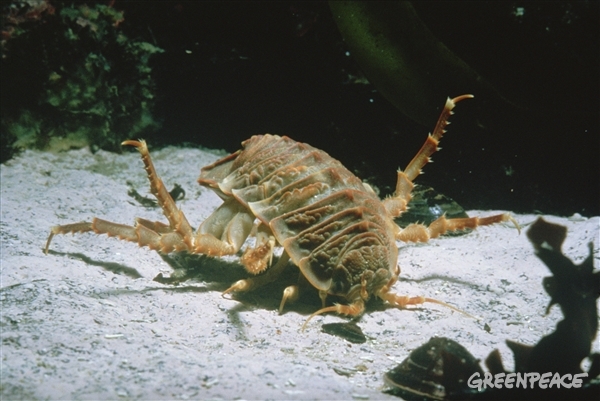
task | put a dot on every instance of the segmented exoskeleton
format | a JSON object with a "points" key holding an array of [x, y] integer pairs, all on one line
{"points": [[330, 224]]}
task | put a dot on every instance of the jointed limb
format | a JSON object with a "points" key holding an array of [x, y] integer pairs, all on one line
{"points": [[254, 282], [402, 301], [396, 204], [422, 233], [356, 308], [222, 233]]}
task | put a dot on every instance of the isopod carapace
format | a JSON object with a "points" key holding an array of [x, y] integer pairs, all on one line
{"points": [[330, 224]]}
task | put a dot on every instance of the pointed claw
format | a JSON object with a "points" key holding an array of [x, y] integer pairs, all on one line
{"points": [[354, 309], [289, 294], [461, 97], [131, 142], [319, 312], [512, 220], [435, 301], [240, 285]]}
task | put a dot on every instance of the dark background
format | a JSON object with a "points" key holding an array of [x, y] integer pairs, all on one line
{"points": [[234, 69]]}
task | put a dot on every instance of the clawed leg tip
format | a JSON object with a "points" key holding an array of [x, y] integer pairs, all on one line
{"points": [[461, 97], [304, 326], [131, 142]]}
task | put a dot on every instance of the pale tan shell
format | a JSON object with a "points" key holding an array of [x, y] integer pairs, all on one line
{"points": [[321, 213]]}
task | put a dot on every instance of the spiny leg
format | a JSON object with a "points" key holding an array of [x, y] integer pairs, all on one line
{"points": [[158, 236], [422, 233], [225, 237], [213, 239], [82, 227], [177, 220], [139, 234], [397, 203]]}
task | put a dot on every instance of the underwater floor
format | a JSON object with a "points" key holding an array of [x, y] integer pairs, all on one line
{"points": [[88, 321]]}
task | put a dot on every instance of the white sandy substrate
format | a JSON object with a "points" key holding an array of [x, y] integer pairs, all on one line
{"points": [[87, 321]]}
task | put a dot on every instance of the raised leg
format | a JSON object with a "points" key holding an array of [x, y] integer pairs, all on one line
{"points": [[396, 204], [222, 233], [421, 233], [176, 218]]}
